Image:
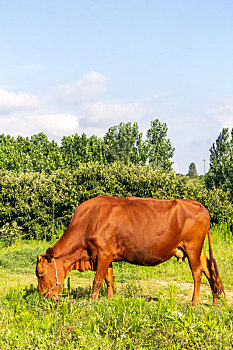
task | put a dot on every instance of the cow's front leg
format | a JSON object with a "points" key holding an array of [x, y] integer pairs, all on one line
{"points": [[103, 263], [109, 281]]}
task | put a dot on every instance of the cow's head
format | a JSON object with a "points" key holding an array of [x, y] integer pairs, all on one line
{"points": [[50, 274]]}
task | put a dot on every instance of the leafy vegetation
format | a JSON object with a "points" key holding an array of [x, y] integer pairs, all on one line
{"points": [[41, 203], [125, 322], [221, 163], [143, 314], [192, 173], [10, 234], [41, 184], [121, 143]]}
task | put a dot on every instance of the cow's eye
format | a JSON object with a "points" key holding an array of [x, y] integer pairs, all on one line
{"points": [[40, 273]]}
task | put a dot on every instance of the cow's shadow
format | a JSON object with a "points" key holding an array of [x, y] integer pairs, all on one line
{"points": [[150, 298], [31, 290], [86, 292], [73, 293], [76, 293]]}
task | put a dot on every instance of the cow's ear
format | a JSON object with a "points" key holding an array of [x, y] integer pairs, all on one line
{"points": [[50, 254]]}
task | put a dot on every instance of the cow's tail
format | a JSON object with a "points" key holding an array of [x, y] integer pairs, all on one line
{"points": [[215, 280]]}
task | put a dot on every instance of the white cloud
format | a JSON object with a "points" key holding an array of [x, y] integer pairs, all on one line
{"points": [[95, 77], [54, 125], [224, 113], [224, 116], [91, 115], [88, 89], [176, 167], [101, 112], [14, 101]]}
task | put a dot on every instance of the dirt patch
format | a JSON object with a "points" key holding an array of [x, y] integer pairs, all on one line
{"points": [[185, 290], [151, 288]]}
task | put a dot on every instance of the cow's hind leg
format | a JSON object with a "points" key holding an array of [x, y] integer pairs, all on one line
{"points": [[103, 263], [109, 281], [195, 265], [211, 272]]}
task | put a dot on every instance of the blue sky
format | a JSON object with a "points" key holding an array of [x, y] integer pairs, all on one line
{"points": [[82, 66]]}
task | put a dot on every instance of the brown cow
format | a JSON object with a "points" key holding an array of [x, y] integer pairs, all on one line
{"points": [[141, 231]]}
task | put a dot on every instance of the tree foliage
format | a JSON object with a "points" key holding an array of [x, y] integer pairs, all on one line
{"points": [[34, 154], [40, 203], [192, 170], [221, 162], [81, 149], [159, 148], [122, 143]]}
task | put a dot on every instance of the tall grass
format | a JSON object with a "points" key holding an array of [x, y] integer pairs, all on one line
{"points": [[137, 317], [125, 322]]}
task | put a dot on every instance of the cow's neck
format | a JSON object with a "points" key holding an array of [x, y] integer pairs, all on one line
{"points": [[73, 257], [71, 248], [78, 261], [68, 265], [70, 243]]}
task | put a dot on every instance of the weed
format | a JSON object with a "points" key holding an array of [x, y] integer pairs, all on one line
{"points": [[141, 315]]}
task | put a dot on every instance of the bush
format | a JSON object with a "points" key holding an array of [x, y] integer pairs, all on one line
{"points": [[10, 233], [42, 203]]}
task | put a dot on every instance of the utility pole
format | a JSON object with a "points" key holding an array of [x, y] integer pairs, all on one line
{"points": [[204, 165]]}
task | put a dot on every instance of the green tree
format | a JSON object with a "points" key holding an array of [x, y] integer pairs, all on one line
{"points": [[220, 173], [8, 154], [159, 147], [45, 155], [75, 149], [192, 170], [34, 154], [123, 143], [97, 149], [81, 149]]}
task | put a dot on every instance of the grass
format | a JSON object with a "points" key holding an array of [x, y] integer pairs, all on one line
{"points": [[148, 310], [128, 321]]}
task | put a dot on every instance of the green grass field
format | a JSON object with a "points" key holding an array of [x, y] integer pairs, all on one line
{"points": [[151, 307]]}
